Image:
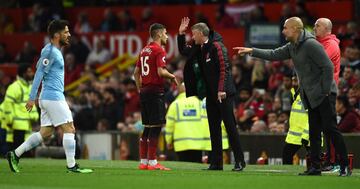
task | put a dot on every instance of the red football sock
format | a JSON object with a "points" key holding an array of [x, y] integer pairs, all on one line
{"points": [[143, 148], [153, 143]]}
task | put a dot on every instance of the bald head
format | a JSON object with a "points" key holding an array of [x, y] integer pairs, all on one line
{"points": [[295, 22], [292, 28], [326, 23], [322, 27]]}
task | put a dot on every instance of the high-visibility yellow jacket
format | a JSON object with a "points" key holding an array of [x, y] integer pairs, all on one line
{"points": [[4, 125], [15, 113], [298, 123], [185, 125]]}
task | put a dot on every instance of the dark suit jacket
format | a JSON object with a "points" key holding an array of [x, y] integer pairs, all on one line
{"points": [[214, 65]]}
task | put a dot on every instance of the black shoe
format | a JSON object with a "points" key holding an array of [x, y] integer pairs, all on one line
{"points": [[213, 168], [239, 166], [345, 172], [311, 172]]}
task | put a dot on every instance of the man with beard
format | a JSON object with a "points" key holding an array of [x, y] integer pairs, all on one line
{"points": [[317, 88], [149, 74], [55, 111]]}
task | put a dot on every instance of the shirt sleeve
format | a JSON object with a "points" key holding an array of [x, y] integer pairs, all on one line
{"points": [[42, 68], [281, 53], [160, 59]]}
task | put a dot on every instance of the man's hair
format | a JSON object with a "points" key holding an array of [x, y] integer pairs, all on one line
{"points": [[154, 28], [22, 68], [56, 26], [202, 27]]}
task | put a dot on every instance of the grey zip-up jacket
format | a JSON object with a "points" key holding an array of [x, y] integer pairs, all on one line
{"points": [[312, 65]]}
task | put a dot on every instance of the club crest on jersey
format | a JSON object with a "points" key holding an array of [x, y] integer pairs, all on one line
{"points": [[45, 62]]}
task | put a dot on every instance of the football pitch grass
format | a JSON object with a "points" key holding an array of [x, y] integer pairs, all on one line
{"points": [[49, 174]]}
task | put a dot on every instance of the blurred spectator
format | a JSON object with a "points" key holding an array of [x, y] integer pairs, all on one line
{"points": [[275, 76], [88, 117], [257, 103], [41, 18], [113, 110], [147, 18], [72, 69], [79, 49], [351, 57], [259, 74], [27, 54], [259, 126], [349, 119], [246, 69], [353, 99], [110, 22], [132, 98], [236, 73], [6, 25], [82, 24], [349, 34], [280, 126], [276, 106], [347, 80], [271, 118], [4, 56], [223, 19], [30, 25], [126, 21], [243, 114], [102, 125], [99, 54], [284, 93]]}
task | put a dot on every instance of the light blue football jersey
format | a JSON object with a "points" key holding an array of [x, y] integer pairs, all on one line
{"points": [[50, 72]]}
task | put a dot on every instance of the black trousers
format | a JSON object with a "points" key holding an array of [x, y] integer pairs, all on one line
{"points": [[289, 151], [323, 118], [216, 113], [190, 156]]}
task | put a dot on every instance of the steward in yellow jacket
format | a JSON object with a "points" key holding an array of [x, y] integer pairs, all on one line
{"points": [[298, 134], [17, 121], [187, 129]]}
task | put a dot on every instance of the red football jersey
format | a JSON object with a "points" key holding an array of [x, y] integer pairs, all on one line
{"points": [[151, 58]]}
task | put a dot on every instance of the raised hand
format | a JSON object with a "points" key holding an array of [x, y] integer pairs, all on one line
{"points": [[243, 50], [184, 24]]}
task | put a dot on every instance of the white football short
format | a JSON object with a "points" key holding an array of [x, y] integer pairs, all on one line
{"points": [[54, 113]]}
